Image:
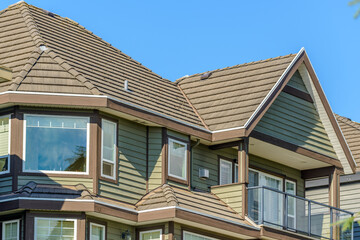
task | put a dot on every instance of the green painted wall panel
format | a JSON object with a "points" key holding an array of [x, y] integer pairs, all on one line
{"points": [[177, 135], [5, 184], [23, 180], [132, 164], [296, 121], [296, 82]]}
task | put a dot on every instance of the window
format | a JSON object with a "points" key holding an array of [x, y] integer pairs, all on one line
{"points": [[4, 144], [97, 231], [10, 230], [108, 149], [151, 235], [51, 228], [177, 159], [56, 143], [193, 236], [290, 187], [229, 171]]}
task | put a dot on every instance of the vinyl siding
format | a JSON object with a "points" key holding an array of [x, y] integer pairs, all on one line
{"points": [[132, 164], [5, 184], [23, 180], [291, 173], [349, 200], [155, 157], [297, 82], [296, 121], [177, 231], [203, 157], [114, 230], [231, 195]]}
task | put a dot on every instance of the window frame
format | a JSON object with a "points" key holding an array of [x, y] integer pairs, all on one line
{"points": [[9, 147], [171, 176], [58, 172], [233, 169], [11, 221], [149, 231], [196, 234], [98, 225], [49, 218], [115, 151]]}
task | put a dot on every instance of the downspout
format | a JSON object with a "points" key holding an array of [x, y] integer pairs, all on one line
{"points": [[191, 161]]}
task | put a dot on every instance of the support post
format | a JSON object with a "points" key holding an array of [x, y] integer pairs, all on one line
{"points": [[334, 200], [243, 172]]}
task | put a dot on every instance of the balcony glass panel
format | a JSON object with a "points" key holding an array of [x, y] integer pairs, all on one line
{"points": [[272, 207]]}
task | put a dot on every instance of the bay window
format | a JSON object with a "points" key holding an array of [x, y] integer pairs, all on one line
{"points": [[97, 231], [51, 228], [56, 143], [4, 144], [10, 230], [151, 235], [108, 149], [177, 159]]}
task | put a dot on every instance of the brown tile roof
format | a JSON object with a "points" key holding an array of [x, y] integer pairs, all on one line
{"points": [[230, 95], [351, 131], [79, 62], [202, 202]]}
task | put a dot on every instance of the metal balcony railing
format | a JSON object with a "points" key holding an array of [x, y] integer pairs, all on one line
{"points": [[286, 211]]}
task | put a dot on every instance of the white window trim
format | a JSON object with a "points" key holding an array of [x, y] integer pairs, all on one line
{"points": [[269, 175], [8, 155], [186, 158], [59, 172], [150, 231], [62, 219], [198, 235], [236, 165], [231, 171], [102, 151], [11, 221], [97, 225], [294, 216]]}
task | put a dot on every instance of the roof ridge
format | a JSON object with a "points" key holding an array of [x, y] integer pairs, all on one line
{"points": [[30, 23], [348, 121], [33, 58], [72, 71], [178, 81], [99, 38]]}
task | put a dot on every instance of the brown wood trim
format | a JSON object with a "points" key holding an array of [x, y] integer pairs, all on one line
{"points": [[317, 173], [164, 154], [58, 112], [138, 230], [334, 189], [224, 145], [171, 234], [95, 123], [274, 95], [116, 180], [330, 113], [203, 232], [273, 233], [174, 179], [147, 159], [295, 148], [231, 134], [243, 173], [90, 220], [297, 93], [81, 227], [16, 147]]}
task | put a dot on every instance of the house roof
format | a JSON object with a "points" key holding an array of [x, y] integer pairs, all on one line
{"points": [[230, 96], [77, 61], [351, 131], [166, 196]]}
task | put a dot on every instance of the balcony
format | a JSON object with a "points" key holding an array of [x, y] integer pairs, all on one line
{"points": [[270, 207]]}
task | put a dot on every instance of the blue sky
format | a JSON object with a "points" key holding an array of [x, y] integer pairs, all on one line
{"points": [[176, 38]]}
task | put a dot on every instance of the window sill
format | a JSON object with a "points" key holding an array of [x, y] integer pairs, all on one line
{"points": [[56, 174], [102, 178], [181, 181]]}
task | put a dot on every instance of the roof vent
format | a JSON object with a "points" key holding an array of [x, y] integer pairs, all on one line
{"points": [[126, 86], [49, 13], [43, 48], [206, 75]]}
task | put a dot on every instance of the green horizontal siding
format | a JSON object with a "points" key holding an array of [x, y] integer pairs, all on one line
{"points": [[132, 164], [296, 121], [5, 184], [171, 133], [23, 180], [203, 157], [270, 166], [297, 82], [155, 157]]}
